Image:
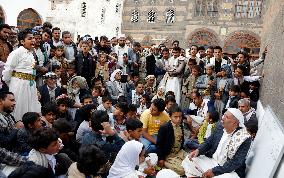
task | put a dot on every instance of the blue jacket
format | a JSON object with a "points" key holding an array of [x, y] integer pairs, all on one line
{"points": [[236, 164], [110, 146]]}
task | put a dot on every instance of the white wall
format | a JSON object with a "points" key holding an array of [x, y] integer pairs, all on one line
{"points": [[12, 8], [68, 17]]}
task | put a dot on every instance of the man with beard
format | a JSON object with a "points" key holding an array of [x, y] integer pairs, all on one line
{"points": [[5, 47], [8, 125], [135, 95], [56, 37], [121, 49]]}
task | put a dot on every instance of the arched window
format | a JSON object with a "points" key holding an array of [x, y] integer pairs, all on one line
{"points": [[151, 16], [28, 18], [170, 16], [135, 16], [206, 8], [242, 40], [203, 37], [147, 41], [248, 8]]}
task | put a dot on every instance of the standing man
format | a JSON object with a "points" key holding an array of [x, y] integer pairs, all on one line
{"points": [[161, 64], [121, 49], [173, 77], [55, 41], [209, 55], [5, 47], [218, 59]]}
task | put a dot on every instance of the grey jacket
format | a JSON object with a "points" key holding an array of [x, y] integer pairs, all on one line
{"points": [[113, 90]]}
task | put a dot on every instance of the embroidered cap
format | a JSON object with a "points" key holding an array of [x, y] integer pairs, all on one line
{"points": [[238, 115], [51, 75]]}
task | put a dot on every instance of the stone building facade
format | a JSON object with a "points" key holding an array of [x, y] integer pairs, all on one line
{"points": [[233, 24]]}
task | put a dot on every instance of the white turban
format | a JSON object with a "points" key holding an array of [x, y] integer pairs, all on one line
{"points": [[150, 77], [112, 76], [238, 115], [167, 173]]}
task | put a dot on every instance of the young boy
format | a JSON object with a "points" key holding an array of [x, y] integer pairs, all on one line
{"points": [[170, 142], [70, 49], [233, 98], [106, 105], [31, 122], [57, 69], [133, 129], [71, 147], [103, 135], [20, 74], [58, 58], [170, 101], [223, 86], [63, 104], [118, 117], [45, 143], [132, 112], [96, 93], [82, 118], [204, 131], [49, 112]]}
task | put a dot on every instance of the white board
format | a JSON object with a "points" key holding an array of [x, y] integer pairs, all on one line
{"points": [[267, 148]]}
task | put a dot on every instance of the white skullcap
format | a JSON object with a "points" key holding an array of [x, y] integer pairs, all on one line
{"points": [[155, 46], [150, 77], [209, 65], [121, 36], [238, 115], [167, 173]]}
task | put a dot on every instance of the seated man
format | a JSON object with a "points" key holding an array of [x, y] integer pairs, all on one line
{"points": [[49, 91], [103, 135], [200, 109], [248, 112], [115, 88], [8, 126], [224, 153], [152, 119]]}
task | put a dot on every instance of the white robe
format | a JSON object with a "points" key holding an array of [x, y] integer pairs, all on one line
{"points": [[173, 83], [25, 92], [201, 164], [126, 161]]}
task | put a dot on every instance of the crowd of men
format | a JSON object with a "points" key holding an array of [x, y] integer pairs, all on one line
{"points": [[113, 108]]}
